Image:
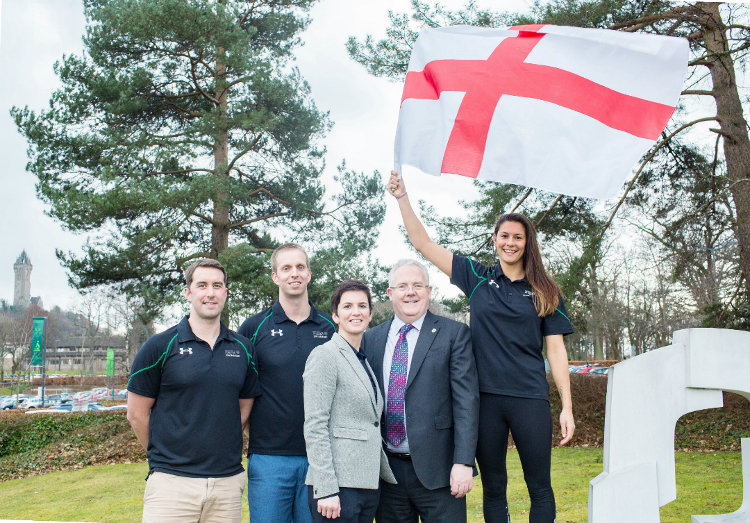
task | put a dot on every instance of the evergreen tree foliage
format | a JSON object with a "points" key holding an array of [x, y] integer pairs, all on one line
{"points": [[718, 40], [185, 131]]}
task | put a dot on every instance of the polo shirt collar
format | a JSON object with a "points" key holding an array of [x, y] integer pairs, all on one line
{"points": [[278, 311], [498, 271], [185, 333]]}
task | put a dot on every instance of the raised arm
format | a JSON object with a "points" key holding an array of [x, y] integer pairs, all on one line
{"points": [[436, 254]]}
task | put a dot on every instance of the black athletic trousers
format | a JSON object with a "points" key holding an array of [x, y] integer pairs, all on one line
{"points": [[530, 423]]}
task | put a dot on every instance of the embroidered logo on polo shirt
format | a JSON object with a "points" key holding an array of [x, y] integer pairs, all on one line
{"points": [[528, 294], [186, 350], [320, 334], [493, 283], [232, 353], [279, 332]]}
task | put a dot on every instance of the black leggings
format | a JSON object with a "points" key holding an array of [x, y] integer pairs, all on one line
{"points": [[530, 423]]}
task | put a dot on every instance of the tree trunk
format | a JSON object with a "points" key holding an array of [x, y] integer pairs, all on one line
{"points": [[220, 227], [732, 123]]}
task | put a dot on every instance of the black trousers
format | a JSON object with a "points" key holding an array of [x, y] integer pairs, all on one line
{"points": [[357, 505], [409, 500], [530, 423]]}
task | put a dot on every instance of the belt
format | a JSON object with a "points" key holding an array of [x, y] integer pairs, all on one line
{"points": [[405, 456]]}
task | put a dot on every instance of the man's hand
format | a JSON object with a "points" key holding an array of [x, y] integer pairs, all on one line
{"points": [[462, 479], [329, 507]]}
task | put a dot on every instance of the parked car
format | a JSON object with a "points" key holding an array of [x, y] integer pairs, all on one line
{"points": [[121, 394], [586, 369], [13, 401], [52, 399], [103, 395], [7, 402], [69, 407], [82, 397], [600, 371], [31, 403]]}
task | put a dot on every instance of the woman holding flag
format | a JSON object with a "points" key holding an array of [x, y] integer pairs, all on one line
{"points": [[516, 308]]}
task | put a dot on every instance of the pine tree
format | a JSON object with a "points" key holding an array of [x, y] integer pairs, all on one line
{"points": [[185, 131]]}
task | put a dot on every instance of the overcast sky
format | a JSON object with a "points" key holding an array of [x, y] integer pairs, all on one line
{"points": [[36, 33]]}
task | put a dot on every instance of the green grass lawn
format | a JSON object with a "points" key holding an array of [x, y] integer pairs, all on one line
{"points": [[708, 483]]}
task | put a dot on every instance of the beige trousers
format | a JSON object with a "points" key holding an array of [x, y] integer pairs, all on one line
{"points": [[177, 499]]}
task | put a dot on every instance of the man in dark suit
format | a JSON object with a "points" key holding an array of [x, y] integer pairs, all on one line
{"points": [[426, 369]]}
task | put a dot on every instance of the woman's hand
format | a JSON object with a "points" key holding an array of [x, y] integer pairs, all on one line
{"points": [[329, 507], [396, 185], [567, 425]]}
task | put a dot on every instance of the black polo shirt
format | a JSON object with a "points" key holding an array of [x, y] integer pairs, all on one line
{"points": [[281, 350], [194, 428], [506, 332]]}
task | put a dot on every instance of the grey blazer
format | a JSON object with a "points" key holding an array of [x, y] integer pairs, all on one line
{"points": [[342, 422], [442, 396]]}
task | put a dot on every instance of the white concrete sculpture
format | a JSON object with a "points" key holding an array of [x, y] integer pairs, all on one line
{"points": [[646, 395]]}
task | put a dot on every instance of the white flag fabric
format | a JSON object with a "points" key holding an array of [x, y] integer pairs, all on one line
{"points": [[563, 109]]}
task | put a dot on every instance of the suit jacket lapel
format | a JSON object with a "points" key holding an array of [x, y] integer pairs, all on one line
{"points": [[427, 335], [352, 359], [375, 351]]}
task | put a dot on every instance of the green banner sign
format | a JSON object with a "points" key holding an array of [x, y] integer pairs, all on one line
{"points": [[110, 362], [37, 341]]}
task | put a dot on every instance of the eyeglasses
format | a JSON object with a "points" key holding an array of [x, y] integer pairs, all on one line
{"points": [[403, 287]]}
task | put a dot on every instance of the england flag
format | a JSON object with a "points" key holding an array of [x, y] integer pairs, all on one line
{"points": [[563, 109]]}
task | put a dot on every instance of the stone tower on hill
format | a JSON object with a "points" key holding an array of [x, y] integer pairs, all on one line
{"points": [[22, 291]]}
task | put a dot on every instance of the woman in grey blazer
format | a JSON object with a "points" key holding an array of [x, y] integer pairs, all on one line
{"points": [[342, 417]]}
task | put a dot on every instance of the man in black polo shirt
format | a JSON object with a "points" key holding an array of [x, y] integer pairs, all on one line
{"points": [[283, 336], [190, 393]]}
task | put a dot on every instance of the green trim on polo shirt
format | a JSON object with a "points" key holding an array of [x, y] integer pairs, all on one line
{"points": [[329, 321], [250, 361], [482, 279], [162, 358], [255, 334], [564, 315]]}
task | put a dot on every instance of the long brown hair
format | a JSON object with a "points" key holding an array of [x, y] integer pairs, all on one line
{"points": [[546, 292]]}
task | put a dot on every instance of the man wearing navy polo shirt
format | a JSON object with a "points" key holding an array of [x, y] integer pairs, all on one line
{"points": [[283, 336], [190, 393]]}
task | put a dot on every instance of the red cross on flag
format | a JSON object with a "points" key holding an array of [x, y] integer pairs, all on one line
{"points": [[563, 109]]}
